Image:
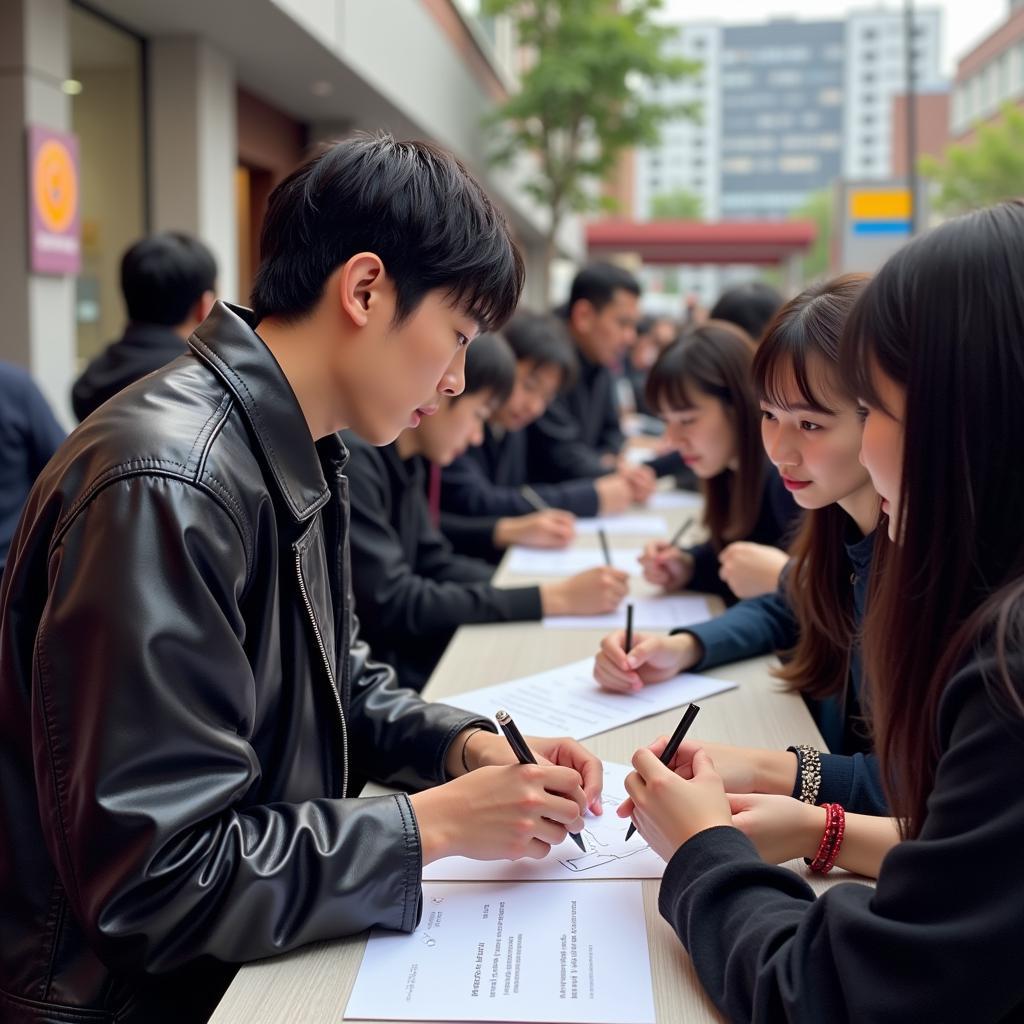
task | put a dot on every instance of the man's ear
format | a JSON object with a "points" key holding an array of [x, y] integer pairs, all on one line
{"points": [[360, 286], [581, 316]]}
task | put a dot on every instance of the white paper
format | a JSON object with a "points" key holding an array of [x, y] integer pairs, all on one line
{"points": [[636, 524], [567, 701], [662, 501], [573, 952], [608, 854], [533, 562], [669, 612], [639, 455]]}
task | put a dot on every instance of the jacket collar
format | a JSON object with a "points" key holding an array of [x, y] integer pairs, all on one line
{"points": [[227, 342]]}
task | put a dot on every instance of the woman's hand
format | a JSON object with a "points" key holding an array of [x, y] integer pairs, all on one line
{"points": [[781, 827], [750, 570], [653, 659], [666, 566], [667, 809]]}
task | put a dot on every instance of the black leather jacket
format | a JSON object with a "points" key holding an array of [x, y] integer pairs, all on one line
{"points": [[184, 704]]}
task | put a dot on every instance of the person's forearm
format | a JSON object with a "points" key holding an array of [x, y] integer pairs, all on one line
{"points": [[866, 842], [775, 771]]}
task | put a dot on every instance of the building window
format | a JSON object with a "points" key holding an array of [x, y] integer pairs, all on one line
{"points": [[107, 115]]}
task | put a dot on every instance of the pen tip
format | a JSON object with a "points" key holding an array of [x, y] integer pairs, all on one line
{"points": [[501, 717]]}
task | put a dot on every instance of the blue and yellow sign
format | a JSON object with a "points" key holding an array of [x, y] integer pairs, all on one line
{"points": [[879, 212]]}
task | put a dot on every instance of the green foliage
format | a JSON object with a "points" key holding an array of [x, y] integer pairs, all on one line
{"points": [[581, 101], [820, 208], [984, 171], [677, 205]]}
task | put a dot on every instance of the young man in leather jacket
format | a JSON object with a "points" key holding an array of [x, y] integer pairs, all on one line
{"points": [[186, 709]]}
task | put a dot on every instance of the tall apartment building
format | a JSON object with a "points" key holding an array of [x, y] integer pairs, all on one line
{"points": [[788, 106]]}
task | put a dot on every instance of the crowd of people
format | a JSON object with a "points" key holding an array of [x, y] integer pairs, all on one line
{"points": [[225, 589]]}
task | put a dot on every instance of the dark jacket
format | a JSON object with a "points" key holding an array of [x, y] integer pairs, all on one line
{"points": [[411, 589], [580, 426], [29, 435], [142, 349], [185, 703], [760, 625], [939, 939], [777, 518], [486, 483]]}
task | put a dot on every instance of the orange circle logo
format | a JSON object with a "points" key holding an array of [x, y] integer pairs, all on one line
{"points": [[55, 186]]}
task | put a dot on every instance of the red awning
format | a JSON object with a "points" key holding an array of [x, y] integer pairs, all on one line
{"points": [[684, 241]]}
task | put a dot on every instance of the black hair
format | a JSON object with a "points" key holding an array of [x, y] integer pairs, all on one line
{"points": [[943, 319], [541, 340], [750, 306], [164, 276], [490, 366], [413, 205], [598, 283], [715, 359]]}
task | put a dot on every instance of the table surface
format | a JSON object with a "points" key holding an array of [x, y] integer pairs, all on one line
{"points": [[312, 985]]}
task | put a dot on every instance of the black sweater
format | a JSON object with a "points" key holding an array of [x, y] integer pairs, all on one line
{"points": [[579, 427], [777, 519], [486, 483], [940, 938], [411, 589], [142, 349]]}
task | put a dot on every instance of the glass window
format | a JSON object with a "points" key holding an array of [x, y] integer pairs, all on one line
{"points": [[107, 116]]}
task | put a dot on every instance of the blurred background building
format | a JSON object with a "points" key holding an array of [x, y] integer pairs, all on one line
{"points": [[188, 113]]}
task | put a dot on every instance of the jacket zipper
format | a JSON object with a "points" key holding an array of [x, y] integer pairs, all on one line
{"points": [[330, 671]]}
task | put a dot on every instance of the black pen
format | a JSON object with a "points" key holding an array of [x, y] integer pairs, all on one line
{"points": [[673, 745], [603, 538], [533, 498], [629, 628], [524, 755], [678, 535]]}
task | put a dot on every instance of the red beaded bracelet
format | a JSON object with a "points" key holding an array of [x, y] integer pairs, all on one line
{"points": [[832, 839]]}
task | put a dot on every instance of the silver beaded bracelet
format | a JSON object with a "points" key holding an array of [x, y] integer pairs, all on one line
{"points": [[808, 766]]}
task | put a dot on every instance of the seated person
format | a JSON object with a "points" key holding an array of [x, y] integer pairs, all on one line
{"points": [[488, 500], [579, 434], [412, 590]]}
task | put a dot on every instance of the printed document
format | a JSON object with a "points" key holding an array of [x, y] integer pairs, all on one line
{"points": [[668, 612], [563, 952]]}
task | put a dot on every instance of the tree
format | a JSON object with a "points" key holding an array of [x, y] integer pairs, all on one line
{"points": [[984, 171], [677, 205], [820, 208], [582, 100]]}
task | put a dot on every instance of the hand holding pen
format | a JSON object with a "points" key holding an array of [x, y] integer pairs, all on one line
{"points": [[673, 745], [523, 754]]}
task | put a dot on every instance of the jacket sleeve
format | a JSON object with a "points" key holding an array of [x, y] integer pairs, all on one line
{"points": [[472, 536], [854, 781], [756, 626], [467, 490], [557, 451], [401, 739], [705, 577], [396, 593], [946, 907], [143, 731]]}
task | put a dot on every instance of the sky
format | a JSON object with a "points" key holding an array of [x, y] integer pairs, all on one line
{"points": [[965, 22]]}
